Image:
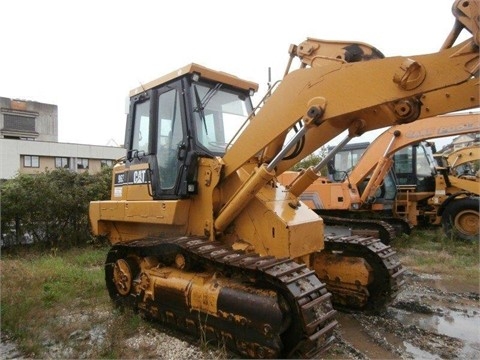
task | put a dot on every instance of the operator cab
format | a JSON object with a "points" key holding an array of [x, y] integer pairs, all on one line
{"points": [[415, 165], [345, 160], [172, 121]]}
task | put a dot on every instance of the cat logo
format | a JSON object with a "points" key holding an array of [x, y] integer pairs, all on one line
{"points": [[139, 177]]}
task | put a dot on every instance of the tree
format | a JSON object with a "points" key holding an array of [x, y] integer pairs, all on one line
{"points": [[312, 160]]}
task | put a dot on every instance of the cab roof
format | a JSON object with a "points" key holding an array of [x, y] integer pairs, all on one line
{"points": [[204, 72]]}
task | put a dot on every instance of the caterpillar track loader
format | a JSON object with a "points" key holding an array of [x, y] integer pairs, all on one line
{"points": [[203, 236], [394, 181]]}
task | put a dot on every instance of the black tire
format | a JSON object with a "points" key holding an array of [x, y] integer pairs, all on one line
{"points": [[460, 219]]}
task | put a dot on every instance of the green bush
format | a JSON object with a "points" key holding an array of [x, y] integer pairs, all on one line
{"points": [[51, 208]]}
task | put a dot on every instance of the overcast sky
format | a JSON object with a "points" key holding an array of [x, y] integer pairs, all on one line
{"points": [[85, 56]]}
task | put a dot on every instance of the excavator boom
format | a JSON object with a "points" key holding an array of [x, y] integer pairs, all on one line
{"points": [[402, 136], [387, 102]]}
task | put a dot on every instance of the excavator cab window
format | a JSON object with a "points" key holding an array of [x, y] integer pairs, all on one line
{"points": [[218, 114], [415, 166], [170, 138], [346, 159], [141, 131]]}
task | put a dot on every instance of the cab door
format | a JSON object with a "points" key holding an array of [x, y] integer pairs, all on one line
{"points": [[157, 140], [170, 141]]}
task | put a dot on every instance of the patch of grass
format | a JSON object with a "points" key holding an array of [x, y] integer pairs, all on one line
{"points": [[93, 258], [32, 285], [431, 251]]}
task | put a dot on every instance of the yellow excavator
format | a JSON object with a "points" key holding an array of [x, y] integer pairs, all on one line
{"points": [[457, 193], [204, 238], [394, 183], [461, 161]]}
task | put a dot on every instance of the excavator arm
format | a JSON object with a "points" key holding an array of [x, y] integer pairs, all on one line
{"points": [[464, 154], [374, 99], [335, 95], [401, 136], [327, 99]]}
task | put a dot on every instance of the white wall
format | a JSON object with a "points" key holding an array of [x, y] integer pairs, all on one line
{"points": [[11, 150]]}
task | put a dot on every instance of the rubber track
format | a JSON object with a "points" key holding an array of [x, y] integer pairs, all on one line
{"points": [[388, 271], [308, 299], [386, 231]]}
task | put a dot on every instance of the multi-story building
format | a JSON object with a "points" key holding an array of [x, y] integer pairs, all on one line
{"points": [[29, 142]]}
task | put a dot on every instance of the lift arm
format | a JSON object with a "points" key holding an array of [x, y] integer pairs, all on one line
{"points": [[405, 135], [381, 92], [328, 99]]}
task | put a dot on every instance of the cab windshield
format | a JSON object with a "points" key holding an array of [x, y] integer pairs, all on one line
{"points": [[219, 113]]}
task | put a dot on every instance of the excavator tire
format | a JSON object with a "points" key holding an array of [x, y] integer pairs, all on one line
{"points": [[257, 306], [460, 219]]}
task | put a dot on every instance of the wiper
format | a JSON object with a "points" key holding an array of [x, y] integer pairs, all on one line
{"points": [[209, 95], [201, 104], [199, 108]]}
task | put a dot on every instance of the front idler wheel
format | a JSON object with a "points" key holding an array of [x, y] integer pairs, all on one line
{"points": [[122, 277], [120, 273]]}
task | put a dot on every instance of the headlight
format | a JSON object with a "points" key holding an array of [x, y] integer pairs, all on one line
{"points": [[356, 206]]}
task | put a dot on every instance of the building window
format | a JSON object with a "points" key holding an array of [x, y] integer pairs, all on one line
{"points": [[31, 161], [82, 163], [18, 122], [61, 162], [106, 163]]}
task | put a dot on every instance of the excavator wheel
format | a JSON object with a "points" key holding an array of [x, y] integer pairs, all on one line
{"points": [[120, 272], [460, 219]]}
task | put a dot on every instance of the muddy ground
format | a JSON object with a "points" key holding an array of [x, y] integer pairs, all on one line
{"points": [[432, 318]]}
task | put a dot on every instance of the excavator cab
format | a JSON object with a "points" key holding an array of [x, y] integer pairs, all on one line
{"points": [[176, 120], [345, 160], [415, 165]]}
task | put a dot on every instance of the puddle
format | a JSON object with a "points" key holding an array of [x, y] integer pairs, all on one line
{"points": [[417, 352], [354, 332], [462, 325]]}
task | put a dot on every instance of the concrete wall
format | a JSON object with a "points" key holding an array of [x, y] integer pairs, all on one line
{"points": [[46, 118]]}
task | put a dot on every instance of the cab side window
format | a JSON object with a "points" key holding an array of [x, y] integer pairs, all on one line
{"points": [[141, 131], [170, 137]]}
